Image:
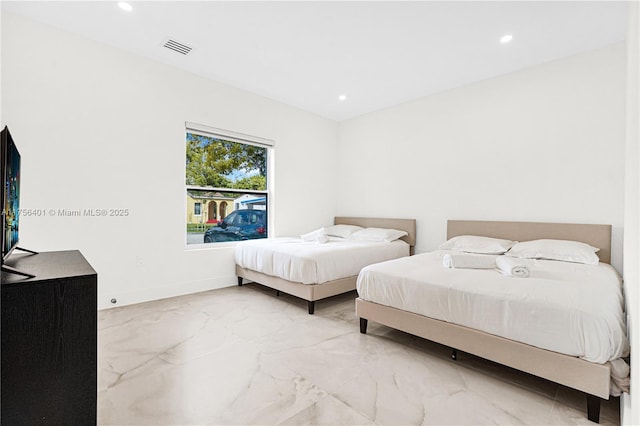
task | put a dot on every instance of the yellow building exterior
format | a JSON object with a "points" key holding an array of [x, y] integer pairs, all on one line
{"points": [[207, 207]]}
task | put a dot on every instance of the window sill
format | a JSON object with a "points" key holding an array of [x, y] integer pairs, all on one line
{"points": [[211, 246]]}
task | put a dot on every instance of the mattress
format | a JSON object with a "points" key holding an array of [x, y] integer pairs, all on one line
{"points": [[569, 308], [314, 263]]}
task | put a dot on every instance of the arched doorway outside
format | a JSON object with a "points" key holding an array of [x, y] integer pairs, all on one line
{"points": [[213, 210], [223, 210]]}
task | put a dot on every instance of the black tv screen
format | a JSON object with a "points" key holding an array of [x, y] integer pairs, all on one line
{"points": [[10, 193]]}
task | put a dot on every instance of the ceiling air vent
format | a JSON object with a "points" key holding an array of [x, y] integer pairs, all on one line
{"points": [[176, 46]]}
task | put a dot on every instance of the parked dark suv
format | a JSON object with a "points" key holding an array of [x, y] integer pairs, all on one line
{"points": [[239, 225]]}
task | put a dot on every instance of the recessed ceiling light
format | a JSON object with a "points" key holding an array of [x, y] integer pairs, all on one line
{"points": [[125, 6], [506, 38], [342, 97]]}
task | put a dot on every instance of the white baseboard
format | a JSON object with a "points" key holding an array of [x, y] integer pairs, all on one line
{"points": [[155, 293]]}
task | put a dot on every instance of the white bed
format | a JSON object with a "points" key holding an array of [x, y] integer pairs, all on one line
{"points": [[315, 271], [312, 263], [565, 322], [570, 308]]}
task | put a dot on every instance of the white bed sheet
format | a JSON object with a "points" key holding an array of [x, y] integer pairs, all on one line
{"points": [[570, 308], [314, 263]]}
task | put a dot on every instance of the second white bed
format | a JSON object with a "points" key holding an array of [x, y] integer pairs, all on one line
{"points": [[314, 263], [569, 308]]}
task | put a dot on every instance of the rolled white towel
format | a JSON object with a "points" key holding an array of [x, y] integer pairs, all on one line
{"points": [[317, 236], [321, 239], [469, 261], [512, 266]]}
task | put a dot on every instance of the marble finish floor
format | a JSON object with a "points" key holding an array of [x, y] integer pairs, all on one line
{"points": [[242, 356]]}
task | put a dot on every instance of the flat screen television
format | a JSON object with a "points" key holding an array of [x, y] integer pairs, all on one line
{"points": [[10, 193], [10, 175]]}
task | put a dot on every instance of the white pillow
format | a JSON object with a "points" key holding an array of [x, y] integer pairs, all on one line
{"points": [[378, 234], [342, 231], [477, 244], [567, 251]]}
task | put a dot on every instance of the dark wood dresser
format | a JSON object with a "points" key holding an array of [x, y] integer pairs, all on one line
{"points": [[49, 340]]}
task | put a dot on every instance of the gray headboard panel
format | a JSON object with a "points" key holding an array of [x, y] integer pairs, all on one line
{"points": [[595, 235]]}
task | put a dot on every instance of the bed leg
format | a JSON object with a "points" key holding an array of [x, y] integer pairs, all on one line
{"points": [[239, 281], [278, 293], [454, 354], [363, 325], [311, 306], [593, 408]]}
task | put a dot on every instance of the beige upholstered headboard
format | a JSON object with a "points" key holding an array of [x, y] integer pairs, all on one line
{"points": [[408, 225], [595, 235]]}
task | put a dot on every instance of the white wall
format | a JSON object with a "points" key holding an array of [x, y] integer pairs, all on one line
{"points": [[543, 144], [100, 128], [631, 401]]}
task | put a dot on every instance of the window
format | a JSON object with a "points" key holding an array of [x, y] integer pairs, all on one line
{"points": [[227, 185]]}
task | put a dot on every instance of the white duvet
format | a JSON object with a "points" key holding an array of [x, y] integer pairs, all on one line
{"points": [[570, 308], [313, 263]]}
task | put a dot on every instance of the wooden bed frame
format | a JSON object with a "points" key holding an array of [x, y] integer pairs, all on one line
{"points": [[576, 373], [313, 292]]}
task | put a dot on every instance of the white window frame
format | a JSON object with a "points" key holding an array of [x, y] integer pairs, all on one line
{"points": [[229, 135]]}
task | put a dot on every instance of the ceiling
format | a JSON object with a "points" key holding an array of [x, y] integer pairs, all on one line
{"points": [[378, 54]]}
